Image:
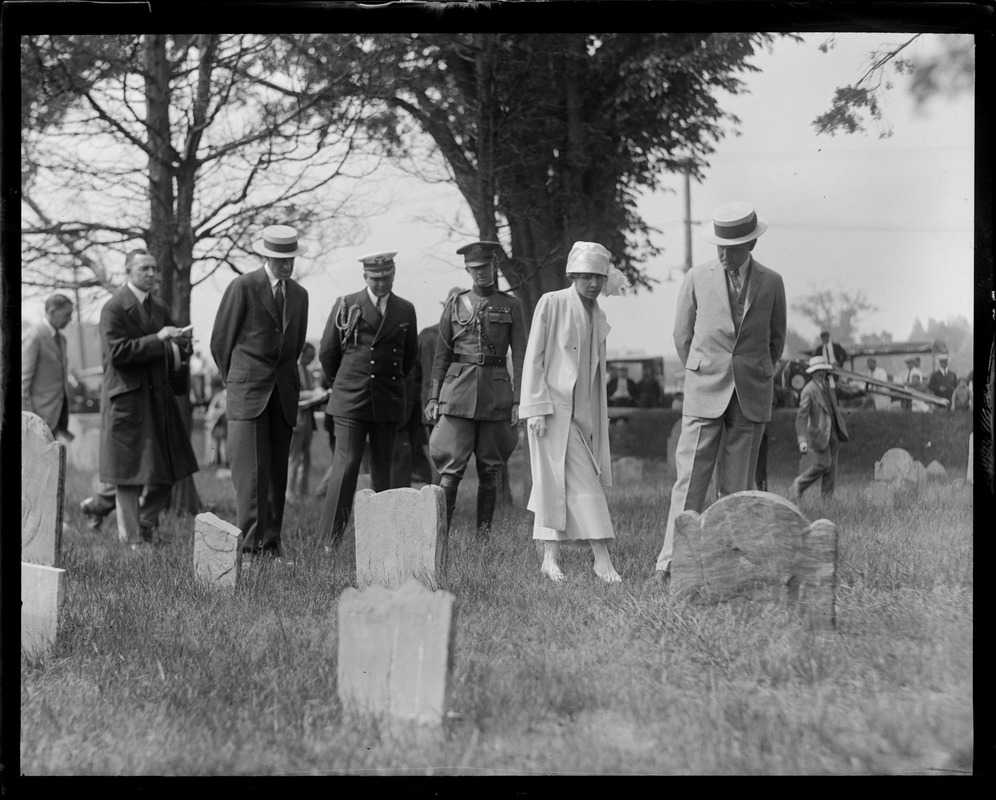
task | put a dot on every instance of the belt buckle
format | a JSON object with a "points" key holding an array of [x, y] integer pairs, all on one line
{"points": [[480, 359]]}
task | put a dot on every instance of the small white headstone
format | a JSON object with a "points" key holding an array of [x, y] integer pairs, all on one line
{"points": [[394, 652], [43, 480], [217, 551], [627, 469], [400, 534], [42, 593]]}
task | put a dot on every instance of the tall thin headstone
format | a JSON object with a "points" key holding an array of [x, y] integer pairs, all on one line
{"points": [[400, 534], [42, 592], [395, 652], [43, 483]]}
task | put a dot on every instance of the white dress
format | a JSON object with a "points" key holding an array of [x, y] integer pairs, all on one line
{"points": [[587, 511]]}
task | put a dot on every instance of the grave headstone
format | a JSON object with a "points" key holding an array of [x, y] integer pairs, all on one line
{"points": [[881, 494], [757, 546], [627, 469], [919, 473], [400, 534], [971, 458], [217, 551], [962, 491], [43, 481], [896, 466], [42, 593], [395, 652], [936, 472]]}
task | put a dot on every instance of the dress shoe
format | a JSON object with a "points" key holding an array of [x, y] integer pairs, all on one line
{"points": [[93, 518]]}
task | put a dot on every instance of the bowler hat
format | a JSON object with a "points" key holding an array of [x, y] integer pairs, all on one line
{"points": [[817, 363], [380, 263], [734, 223], [279, 241]]}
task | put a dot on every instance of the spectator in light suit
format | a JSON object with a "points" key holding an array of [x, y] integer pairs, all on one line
{"points": [[45, 368]]}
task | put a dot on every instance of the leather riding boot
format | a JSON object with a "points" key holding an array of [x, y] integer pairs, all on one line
{"points": [[449, 484], [486, 496]]}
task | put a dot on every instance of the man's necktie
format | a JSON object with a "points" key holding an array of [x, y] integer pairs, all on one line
{"points": [[735, 278], [279, 297], [58, 342], [147, 304]]}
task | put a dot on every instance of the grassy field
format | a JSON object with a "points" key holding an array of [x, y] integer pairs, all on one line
{"points": [[154, 675]]}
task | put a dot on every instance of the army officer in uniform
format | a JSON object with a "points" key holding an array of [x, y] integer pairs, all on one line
{"points": [[471, 392], [369, 345]]}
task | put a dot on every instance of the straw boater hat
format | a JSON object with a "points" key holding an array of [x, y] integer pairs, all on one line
{"points": [[818, 363], [734, 223], [381, 263], [279, 241], [478, 254]]}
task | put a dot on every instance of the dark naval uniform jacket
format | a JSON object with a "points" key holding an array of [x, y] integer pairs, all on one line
{"points": [[469, 373], [367, 358]]}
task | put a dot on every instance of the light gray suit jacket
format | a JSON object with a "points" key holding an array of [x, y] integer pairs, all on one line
{"points": [[44, 374], [718, 359]]}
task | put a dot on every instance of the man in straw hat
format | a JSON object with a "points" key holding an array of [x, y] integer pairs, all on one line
{"points": [[819, 427], [258, 336], [729, 331], [368, 348], [470, 391]]}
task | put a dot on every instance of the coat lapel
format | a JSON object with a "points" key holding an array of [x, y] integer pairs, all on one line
{"points": [[754, 284], [265, 295], [135, 310]]}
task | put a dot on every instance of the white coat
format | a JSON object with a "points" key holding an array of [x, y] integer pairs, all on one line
{"points": [[548, 377]]}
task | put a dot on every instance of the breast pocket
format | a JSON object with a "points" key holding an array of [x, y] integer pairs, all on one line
{"points": [[499, 316]]}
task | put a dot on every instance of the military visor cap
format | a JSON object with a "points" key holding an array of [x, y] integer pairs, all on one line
{"points": [[379, 263], [478, 254]]}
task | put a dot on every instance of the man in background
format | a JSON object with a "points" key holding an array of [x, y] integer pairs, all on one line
{"points": [[819, 428], [144, 444], [880, 402], [942, 380], [45, 367]]}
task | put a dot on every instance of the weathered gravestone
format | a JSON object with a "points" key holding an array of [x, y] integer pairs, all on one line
{"points": [[43, 479], [627, 470], [400, 534], [217, 551], [936, 472], [897, 466], [757, 546], [42, 593], [395, 652], [881, 494]]}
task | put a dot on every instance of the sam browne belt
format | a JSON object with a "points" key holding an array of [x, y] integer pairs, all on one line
{"points": [[480, 359]]}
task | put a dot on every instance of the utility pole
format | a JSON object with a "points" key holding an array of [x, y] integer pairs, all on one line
{"points": [[687, 166]]}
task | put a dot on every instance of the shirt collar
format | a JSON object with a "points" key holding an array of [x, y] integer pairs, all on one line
{"points": [[742, 269], [271, 277], [376, 300], [137, 292], [51, 328]]}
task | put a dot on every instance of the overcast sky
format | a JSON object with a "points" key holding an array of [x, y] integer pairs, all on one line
{"points": [[892, 217]]}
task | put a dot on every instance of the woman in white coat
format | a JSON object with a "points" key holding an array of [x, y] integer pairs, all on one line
{"points": [[563, 399]]}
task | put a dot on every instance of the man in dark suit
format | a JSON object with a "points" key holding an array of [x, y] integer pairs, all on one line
{"points": [[45, 368], [144, 443], [259, 334], [819, 428], [942, 380], [368, 348], [729, 331], [834, 354]]}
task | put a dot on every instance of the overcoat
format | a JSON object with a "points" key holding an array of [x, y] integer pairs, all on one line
{"points": [[717, 358], [548, 378], [143, 438], [367, 358], [255, 351], [44, 373]]}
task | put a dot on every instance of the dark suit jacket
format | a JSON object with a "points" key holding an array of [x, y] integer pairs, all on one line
{"points": [[255, 352], [814, 419], [368, 370], [143, 437]]}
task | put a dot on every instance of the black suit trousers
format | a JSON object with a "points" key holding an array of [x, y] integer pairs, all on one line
{"points": [[350, 441], [258, 450]]}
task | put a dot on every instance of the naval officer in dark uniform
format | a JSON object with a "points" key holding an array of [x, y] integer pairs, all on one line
{"points": [[369, 346], [471, 392]]}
